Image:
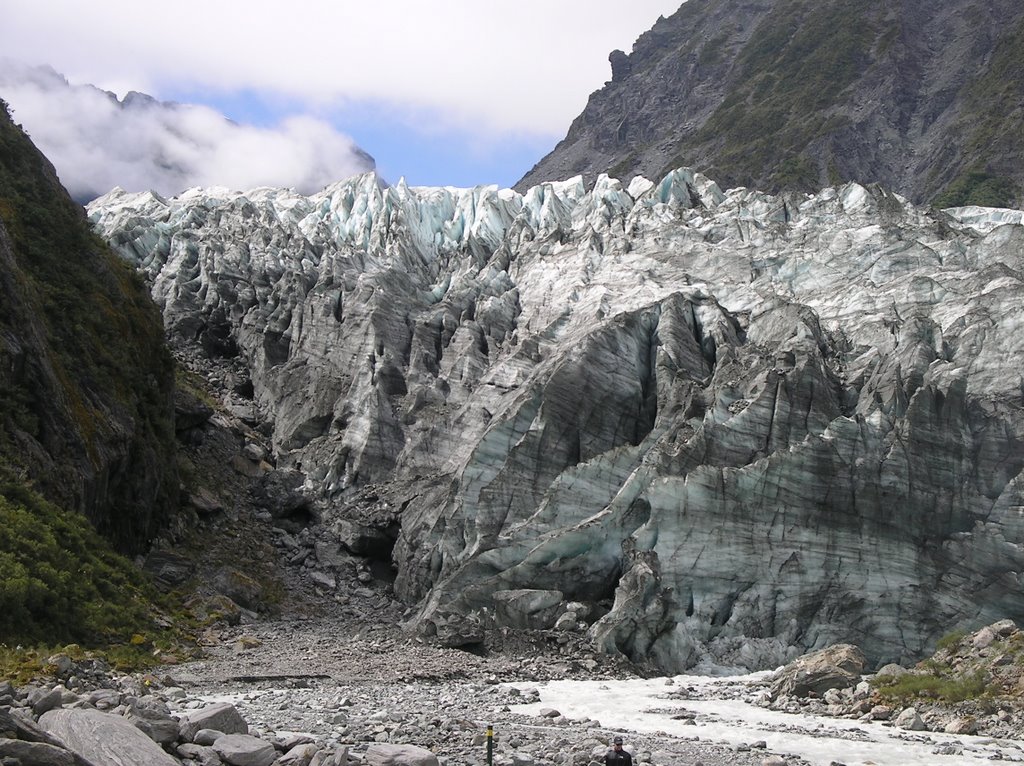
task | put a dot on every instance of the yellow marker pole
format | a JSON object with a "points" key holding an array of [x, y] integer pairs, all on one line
{"points": [[490, 745]]}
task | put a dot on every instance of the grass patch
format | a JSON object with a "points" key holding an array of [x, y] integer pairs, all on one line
{"points": [[951, 640], [946, 688], [194, 384]]}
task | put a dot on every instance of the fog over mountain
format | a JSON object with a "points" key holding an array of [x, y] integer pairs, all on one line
{"points": [[97, 141]]}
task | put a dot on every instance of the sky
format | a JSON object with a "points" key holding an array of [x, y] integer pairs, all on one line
{"points": [[442, 92]]}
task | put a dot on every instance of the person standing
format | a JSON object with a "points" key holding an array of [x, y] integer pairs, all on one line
{"points": [[618, 756]]}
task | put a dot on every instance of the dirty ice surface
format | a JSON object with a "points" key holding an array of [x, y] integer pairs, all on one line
{"points": [[723, 716]]}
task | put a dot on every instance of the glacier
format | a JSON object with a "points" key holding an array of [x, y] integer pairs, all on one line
{"points": [[710, 425]]}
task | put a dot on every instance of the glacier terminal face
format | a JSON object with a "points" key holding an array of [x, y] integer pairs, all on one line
{"points": [[728, 426]]}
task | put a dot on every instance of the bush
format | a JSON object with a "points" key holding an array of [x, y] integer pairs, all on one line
{"points": [[951, 640], [60, 582], [932, 686]]}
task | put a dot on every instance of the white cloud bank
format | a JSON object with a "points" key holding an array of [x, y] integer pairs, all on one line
{"points": [[97, 142], [525, 66]]}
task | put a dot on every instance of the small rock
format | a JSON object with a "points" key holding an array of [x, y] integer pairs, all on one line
{"points": [[910, 720], [245, 750]]}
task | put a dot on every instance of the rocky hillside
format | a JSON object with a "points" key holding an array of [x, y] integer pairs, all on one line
{"points": [[921, 98], [86, 380], [700, 426]]}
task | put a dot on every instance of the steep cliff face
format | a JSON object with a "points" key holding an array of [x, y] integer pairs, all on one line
{"points": [[733, 426], [86, 380], [921, 98]]}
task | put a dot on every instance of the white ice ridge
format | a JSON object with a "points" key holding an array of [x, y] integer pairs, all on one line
{"points": [[359, 212]]}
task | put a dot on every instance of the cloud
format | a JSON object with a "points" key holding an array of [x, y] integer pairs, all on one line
{"points": [[519, 67], [97, 142]]}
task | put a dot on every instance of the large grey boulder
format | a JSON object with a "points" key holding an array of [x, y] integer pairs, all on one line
{"points": [[835, 667], [34, 753], [222, 716], [103, 738], [245, 750], [384, 754], [43, 700], [27, 730], [152, 717], [528, 607]]}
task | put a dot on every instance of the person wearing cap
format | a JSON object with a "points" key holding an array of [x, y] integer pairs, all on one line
{"points": [[618, 756]]}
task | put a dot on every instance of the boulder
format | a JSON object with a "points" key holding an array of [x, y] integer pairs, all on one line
{"points": [[206, 737], [835, 667], [383, 754], [103, 738], [222, 717], [910, 720], [527, 607], [34, 753], [962, 725], [455, 630], [240, 588], [362, 540], [245, 750], [299, 755], [201, 754], [168, 568], [324, 580], [152, 717], [43, 700]]}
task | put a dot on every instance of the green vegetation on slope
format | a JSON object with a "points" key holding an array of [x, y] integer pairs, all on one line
{"points": [[994, 122], [86, 397], [86, 424], [795, 66], [978, 188], [60, 582]]}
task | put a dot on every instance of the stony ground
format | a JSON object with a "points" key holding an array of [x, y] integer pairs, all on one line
{"points": [[312, 639], [354, 684], [317, 646]]}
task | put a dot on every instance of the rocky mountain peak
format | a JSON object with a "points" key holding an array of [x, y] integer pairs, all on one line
{"points": [[799, 94]]}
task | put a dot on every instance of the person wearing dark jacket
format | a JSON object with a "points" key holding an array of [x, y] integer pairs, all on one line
{"points": [[617, 756]]}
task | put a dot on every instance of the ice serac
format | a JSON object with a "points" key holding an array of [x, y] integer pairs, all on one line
{"points": [[727, 426]]}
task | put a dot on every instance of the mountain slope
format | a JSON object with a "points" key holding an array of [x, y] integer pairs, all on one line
{"points": [[728, 426], [924, 99], [86, 379]]}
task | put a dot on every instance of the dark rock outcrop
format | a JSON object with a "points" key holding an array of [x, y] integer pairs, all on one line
{"points": [[796, 94], [86, 379]]}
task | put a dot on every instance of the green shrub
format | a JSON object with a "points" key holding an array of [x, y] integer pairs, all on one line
{"points": [[951, 640], [932, 686], [60, 582]]}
